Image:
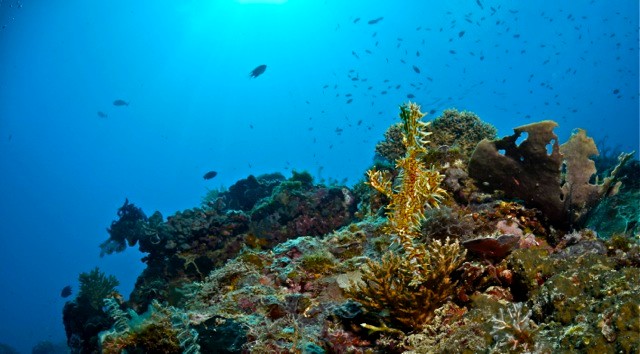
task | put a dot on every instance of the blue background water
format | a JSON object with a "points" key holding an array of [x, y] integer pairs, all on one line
{"points": [[183, 67]]}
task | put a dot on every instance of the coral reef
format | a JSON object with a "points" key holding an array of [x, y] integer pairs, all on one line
{"points": [[415, 259], [620, 214], [129, 228], [459, 130], [417, 186], [527, 171], [159, 330], [406, 291], [391, 148], [95, 286], [84, 317], [259, 212], [411, 284]]}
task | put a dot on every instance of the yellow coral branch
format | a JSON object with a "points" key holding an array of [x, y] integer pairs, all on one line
{"points": [[409, 285], [418, 186]]}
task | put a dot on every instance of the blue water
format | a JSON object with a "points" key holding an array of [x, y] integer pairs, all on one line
{"points": [[183, 68]]}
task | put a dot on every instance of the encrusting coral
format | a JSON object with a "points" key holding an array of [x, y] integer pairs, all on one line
{"points": [[411, 284]]}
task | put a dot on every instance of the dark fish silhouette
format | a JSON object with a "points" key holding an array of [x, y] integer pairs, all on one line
{"points": [[66, 291], [416, 69], [356, 20], [102, 114], [210, 174], [374, 21], [120, 103], [259, 70]]}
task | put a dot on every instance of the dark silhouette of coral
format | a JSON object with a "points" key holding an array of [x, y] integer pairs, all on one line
{"points": [[129, 228], [83, 317]]}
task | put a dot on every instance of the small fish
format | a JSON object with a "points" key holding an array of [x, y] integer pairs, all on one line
{"points": [[616, 91], [259, 70], [210, 174], [410, 95], [416, 69], [460, 34], [120, 103], [374, 21], [349, 100], [66, 291], [356, 20], [102, 114]]}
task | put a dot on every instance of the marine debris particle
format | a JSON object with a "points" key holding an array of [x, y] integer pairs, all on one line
{"points": [[259, 70], [376, 20], [210, 175], [120, 103]]}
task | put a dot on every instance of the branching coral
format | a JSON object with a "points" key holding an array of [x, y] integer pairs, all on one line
{"points": [[94, 287], [514, 330], [410, 289]]}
